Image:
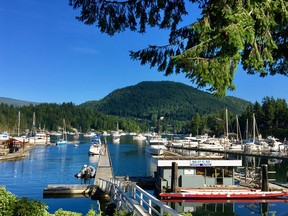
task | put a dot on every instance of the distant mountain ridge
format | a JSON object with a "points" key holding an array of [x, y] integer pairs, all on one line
{"points": [[176, 100], [16, 102]]}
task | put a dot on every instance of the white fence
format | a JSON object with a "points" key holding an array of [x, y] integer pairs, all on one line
{"points": [[129, 196]]}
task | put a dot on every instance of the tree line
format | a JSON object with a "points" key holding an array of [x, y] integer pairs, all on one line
{"points": [[49, 117], [271, 119]]}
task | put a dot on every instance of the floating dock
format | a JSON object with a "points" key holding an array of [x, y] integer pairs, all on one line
{"points": [[104, 168], [104, 171], [67, 189]]}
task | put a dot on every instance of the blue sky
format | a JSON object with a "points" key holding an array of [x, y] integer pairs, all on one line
{"points": [[46, 55]]}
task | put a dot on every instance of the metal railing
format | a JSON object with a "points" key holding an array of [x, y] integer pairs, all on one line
{"points": [[129, 196]]}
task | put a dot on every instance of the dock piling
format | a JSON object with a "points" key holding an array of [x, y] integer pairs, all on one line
{"points": [[174, 181], [264, 177]]}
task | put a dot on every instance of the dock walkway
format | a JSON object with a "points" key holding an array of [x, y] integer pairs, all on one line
{"points": [[104, 168]]}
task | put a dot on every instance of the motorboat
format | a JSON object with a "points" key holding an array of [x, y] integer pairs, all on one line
{"points": [[211, 144], [61, 142], [274, 144], [116, 140], [89, 134], [188, 141], [139, 137], [96, 146], [95, 149], [156, 145], [86, 172], [4, 136], [96, 139], [40, 139]]}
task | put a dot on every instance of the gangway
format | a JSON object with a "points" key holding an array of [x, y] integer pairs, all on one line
{"points": [[127, 195]]}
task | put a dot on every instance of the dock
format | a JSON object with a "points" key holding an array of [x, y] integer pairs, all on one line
{"points": [[63, 190], [104, 168]]}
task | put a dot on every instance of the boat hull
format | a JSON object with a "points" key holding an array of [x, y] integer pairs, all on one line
{"points": [[86, 172], [225, 194]]}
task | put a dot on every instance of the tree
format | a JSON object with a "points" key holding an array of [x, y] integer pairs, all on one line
{"points": [[208, 51]]}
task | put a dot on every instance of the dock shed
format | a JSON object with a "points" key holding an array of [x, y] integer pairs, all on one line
{"points": [[174, 173]]}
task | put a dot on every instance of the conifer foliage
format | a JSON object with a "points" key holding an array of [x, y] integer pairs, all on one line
{"points": [[229, 32]]}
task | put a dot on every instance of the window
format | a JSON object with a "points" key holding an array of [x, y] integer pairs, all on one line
{"points": [[200, 171]]}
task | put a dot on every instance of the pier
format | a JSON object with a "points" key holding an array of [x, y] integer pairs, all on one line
{"points": [[104, 168], [265, 154], [126, 194]]}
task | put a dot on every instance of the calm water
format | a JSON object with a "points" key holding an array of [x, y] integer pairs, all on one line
{"points": [[58, 164]]}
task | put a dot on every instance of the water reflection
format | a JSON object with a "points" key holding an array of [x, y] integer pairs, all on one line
{"points": [[57, 165], [230, 207]]}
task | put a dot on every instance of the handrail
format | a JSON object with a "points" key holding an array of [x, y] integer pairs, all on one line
{"points": [[128, 195], [149, 200]]}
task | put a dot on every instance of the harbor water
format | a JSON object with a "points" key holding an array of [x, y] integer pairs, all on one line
{"points": [[58, 164]]}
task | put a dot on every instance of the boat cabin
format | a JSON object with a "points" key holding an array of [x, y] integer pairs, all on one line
{"points": [[193, 172]]}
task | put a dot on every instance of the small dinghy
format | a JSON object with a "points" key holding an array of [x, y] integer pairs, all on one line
{"points": [[86, 172]]}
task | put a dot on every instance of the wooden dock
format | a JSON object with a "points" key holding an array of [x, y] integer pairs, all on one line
{"points": [[67, 190], [104, 168]]}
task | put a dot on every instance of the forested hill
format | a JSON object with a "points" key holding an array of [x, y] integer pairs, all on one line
{"points": [[172, 99], [15, 102]]}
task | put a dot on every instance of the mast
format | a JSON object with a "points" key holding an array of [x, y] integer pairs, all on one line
{"points": [[247, 129], [237, 128], [227, 133], [18, 124], [238, 134], [254, 128]]}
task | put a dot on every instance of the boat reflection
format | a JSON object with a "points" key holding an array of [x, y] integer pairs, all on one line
{"points": [[227, 206]]}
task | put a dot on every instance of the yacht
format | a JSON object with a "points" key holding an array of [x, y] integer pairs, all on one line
{"points": [[139, 137], [39, 139], [156, 145], [96, 146], [212, 144]]}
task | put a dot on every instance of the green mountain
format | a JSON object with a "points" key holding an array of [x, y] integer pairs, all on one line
{"points": [[15, 102], [171, 99]]}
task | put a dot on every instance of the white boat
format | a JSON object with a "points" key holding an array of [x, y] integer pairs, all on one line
{"points": [[139, 137], [156, 145], [115, 134], [188, 141], [89, 134], [96, 146], [211, 144], [235, 147], [274, 144], [63, 140], [39, 139], [116, 140], [4, 136]]}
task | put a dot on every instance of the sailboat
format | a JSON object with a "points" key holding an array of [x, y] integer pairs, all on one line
{"points": [[63, 140], [22, 138]]}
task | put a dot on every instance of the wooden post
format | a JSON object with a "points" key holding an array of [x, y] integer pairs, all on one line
{"points": [[174, 179], [265, 186]]}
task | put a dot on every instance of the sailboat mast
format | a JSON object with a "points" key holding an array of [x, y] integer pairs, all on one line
{"points": [[247, 129], [227, 124], [237, 128], [254, 128], [18, 124]]}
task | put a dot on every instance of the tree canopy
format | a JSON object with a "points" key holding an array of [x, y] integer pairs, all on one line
{"points": [[229, 32]]}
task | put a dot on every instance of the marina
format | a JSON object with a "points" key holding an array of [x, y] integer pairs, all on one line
{"points": [[120, 156]]}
